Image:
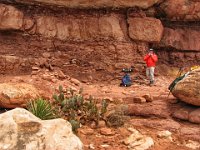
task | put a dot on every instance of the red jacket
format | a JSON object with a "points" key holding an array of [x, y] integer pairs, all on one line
{"points": [[151, 60]]}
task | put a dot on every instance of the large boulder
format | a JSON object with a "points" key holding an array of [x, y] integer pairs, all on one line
{"points": [[145, 29], [14, 95], [187, 90], [22, 130], [181, 39], [10, 18], [187, 10], [95, 4]]}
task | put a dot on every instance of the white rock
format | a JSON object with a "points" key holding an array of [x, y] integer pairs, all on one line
{"points": [[164, 134], [105, 145], [22, 130], [142, 144], [193, 144], [134, 131], [137, 141], [91, 146]]}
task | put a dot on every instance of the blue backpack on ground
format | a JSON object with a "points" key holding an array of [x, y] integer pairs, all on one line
{"points": [[126, 80]]}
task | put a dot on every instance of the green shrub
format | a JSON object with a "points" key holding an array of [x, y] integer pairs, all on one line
{"points": [[42, 109]]}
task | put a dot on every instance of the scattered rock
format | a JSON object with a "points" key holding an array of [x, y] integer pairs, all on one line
{"points": [[14, 95], [102, 124], [41, 62], [61, 75], [109, 99], [87, 131], [148, 97], [35, 68], [139, 100], [47, 77], [22, 130], [137, 141], [107, 131], [164, 134], [46, 65], [46, 55], [35, 72], [91, 146], [105, 145], [75, 81]]}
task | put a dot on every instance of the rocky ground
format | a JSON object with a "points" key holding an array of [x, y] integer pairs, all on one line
{"points": [[150, 116]]}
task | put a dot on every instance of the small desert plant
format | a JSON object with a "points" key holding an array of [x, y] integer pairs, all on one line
{"points": [[76, 109], [42, 109], [75, 125]]}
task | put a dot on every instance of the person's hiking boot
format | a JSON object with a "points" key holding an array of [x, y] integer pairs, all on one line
{"points": [[151, 83]]}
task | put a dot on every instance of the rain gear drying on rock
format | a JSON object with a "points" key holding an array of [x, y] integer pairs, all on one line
{"points": [[172, 85]]}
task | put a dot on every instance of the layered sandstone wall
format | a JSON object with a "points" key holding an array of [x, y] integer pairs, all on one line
{"points": [[101, 38]]}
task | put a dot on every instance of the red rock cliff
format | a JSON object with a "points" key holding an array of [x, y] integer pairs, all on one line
{"points": [[83, 37]]}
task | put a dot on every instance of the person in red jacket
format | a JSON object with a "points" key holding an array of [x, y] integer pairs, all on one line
{"points": [[151, 58]]}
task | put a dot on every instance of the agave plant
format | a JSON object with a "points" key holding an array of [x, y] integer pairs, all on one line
{"points": [[42, 109]]}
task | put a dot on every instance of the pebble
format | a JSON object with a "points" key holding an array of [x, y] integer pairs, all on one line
{"points": [[91, 146], [87, 131], [102, 124], [107, 131], [164, 134], [148, 97], [139, 100]]}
